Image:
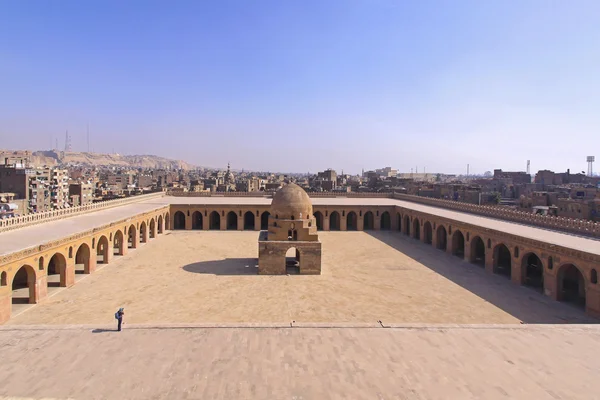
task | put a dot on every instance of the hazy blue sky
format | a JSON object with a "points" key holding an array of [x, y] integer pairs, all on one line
{"points": [[306, 85]]}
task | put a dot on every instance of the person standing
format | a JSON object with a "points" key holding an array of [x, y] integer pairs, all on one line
{"points": [[119, 316]]}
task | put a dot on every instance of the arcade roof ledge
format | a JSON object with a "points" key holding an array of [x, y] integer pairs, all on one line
{"points": [[577, 226], [33, 219]]}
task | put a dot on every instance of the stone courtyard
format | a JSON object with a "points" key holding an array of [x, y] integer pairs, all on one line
{"points": [[211, 277]]}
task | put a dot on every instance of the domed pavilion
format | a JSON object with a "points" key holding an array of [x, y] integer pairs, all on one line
{"points": [[292, 225]]}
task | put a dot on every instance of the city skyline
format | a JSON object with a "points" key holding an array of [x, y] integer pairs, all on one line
{"points": [[346, 85]]}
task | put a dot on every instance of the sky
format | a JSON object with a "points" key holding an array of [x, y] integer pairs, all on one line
{"points": [[301, 86]]}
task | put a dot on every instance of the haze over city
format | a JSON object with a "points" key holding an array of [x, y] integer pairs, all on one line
{"points": [[345, 84]]}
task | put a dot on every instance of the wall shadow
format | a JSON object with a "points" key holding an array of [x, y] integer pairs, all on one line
{"points": [[228, 266], [526, 304]]}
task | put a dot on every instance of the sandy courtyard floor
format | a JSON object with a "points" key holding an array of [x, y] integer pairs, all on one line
{"points": [[210, 277], [519, 362]]}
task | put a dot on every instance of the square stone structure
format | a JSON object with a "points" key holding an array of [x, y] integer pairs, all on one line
{"points": [[291, 225]]}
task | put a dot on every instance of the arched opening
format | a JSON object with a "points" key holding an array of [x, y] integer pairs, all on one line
{"points": [[215, 221], [179, 220], [407, 225], [533, 271], [41, 264], [249, 221], [167, 222], [478, 251], [264, 220], [571, 285], [417, 228], [82, 259], [427, 232], [57, 271], [3, 278], [197, 222], [102, 250], [152, 229], [118, 244], [399, 221], [351, 221], [368, 221], [143, 232], [292, 261], [502, 260], [160, 224], [23, 286], [441, 237], [386, 221], [232, 221], [458, 244], [131, 237], [319, 218], [334, 221]]}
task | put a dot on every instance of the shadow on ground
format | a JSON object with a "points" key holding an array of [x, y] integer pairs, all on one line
{"points": [[104, 330], [526, 304], [228, 266]]}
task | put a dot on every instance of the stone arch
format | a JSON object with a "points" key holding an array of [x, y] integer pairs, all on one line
{"points": [[23, 286], [131, 236], [143, 232], [178, 220], [82, 259], [118, 243], [502, 260], [160, 224], [167, 222], [214, 221], [152, 225], [41, 263], [102, 250], [406, 225], [334, 221], [532, 270], [57, 271], [292, 260], [478, 251], [458, 244], [441, 237], [232, 221], [197, 220], [264, 220], [319, 219], [386, 221], [351, 221], [249, 221], [368, 221], [571, 285], [416, 228], [427, 232], [399, 221]]}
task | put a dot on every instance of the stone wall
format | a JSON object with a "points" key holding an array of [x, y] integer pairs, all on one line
{"points": [[32, 219], [581, 227], [270, 194]]}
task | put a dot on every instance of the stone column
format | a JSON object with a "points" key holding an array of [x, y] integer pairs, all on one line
{"points": [[257, 222], [449, 244], [326, 222], [360, 223], [344, 222], [516, 271], [423, 236], [240, 223], [92, 263], [377, 223], [5, 304], [205, 222], [41, 288], [136, 239], [551, 285], [394, 221], [592, 300], [69, 274], [188, 222], [223, 226], [489, 260], [468, 252]]}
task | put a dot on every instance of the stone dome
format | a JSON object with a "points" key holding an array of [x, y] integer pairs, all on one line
{"points": [[290, 201]]}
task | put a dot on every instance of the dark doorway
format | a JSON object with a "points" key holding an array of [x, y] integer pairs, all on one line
{"points": [[368, 221], [215, 221], [179, 222], [102, 250], [458, 244], [351, 221], [386, 221], [442, 238], [478, 251], [82, 259], [502, 261], [57, 271], [249, 221], [533, 271], [334, 221], [264, 220], [197, 220], [427, 232], [417, 228], [571, 285], [319, 218], [232, 221], [407, 225], [23, 286]]}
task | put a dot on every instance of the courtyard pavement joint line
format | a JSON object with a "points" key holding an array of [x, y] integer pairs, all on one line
{"points": [[305, 325]]}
